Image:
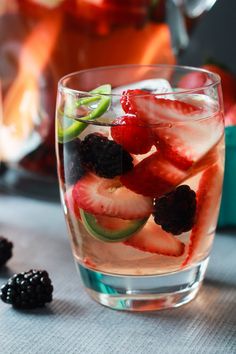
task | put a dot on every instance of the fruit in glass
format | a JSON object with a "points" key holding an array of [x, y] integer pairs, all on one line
{"points": [[140, 165]]}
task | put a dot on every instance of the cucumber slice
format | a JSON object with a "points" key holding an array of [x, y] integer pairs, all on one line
{"points": [[110, 229], [76, 127]]}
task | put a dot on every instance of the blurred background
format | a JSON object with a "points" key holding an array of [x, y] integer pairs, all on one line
{"points": [[42, 40], [213, 37]]}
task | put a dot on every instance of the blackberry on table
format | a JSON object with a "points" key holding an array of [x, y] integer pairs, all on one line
{"points": [[5, 250], [104, 157], [27, 290], [175, 211]]}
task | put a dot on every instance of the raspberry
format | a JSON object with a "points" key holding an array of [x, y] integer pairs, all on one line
{"points": [[28, 290], [132, 134], [104, 157], [175, 211], [5, 250]]}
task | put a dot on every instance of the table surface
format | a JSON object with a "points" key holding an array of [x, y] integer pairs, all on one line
{"points": [[73, 323]]}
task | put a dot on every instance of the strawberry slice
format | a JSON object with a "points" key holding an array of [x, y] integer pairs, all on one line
{"points": [[180, 133], [153, 176], [154, 110], [208, 198], [176, 153], [126, 100], [162, 112], [154, 240], [101, 196], [71, 204]]}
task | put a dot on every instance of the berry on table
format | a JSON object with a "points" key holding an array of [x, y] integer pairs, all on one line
{"points": [[104, 157], [5, 250], [27, 290], [175, 211]]}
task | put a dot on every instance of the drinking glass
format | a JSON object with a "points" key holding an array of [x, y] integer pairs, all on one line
{"points": [[140, 164]]}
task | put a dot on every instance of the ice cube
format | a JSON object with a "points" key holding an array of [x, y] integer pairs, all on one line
{"points": [[156, 86]]}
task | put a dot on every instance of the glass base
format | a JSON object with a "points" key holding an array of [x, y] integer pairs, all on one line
{"points": [[144, 293]]}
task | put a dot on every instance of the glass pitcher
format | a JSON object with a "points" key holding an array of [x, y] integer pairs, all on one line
{"points": [[42, 40]]}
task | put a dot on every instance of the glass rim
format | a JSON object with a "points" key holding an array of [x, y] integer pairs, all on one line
{"points": [[189, 69]]}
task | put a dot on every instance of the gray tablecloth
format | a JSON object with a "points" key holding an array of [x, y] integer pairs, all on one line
{"points": [[73, 323]]}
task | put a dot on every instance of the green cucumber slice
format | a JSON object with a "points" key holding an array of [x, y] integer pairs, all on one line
{"points": [[76, 127], [110, 229]]}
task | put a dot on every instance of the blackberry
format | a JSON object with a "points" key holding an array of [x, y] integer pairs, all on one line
{"points": [[28, 290], [104, 157], [71, 169], [175, 211], [5, 250]]}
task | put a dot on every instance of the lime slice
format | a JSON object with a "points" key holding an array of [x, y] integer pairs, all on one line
{"points": [[110, 229], [76, 127]]}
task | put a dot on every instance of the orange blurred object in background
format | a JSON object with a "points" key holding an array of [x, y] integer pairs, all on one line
{"points": [[42, 40]]}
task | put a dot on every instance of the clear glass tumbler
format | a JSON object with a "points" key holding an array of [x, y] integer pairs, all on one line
{"points": [[140, 165]]}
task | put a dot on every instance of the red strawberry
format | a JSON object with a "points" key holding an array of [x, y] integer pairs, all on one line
{"points": [[132, 134], [153, 176], [71, 204], [208, 197], [101, 196], [154, 110], [182, 137], [177, 154], [153, 239], [230, 117], [171, 141], [126, 99]]}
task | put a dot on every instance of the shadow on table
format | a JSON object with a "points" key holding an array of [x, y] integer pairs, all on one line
{"points": [[229, 231], [215, 303], [67, 308], [57, 308], [5, 273], [219, 284]]}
